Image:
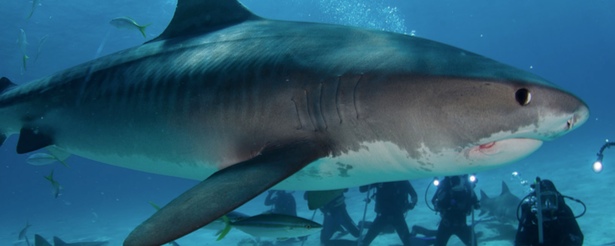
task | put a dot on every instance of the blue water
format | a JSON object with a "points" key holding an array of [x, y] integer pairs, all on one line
{"points": [[568, 42]]}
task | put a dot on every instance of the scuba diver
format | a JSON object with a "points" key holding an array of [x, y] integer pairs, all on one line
{"points": [[546, 219], [391, 205], [336, 217], [454, 200], [283, 202]]}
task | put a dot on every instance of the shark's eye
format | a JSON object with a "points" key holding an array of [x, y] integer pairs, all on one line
{"points": [[523, 96]]}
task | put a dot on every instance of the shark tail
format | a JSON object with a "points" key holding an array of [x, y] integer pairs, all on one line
{"points": [[227, 228], [5, 84]]}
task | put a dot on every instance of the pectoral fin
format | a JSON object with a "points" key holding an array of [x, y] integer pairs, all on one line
{"points": [[224, 191], [32, 139]]}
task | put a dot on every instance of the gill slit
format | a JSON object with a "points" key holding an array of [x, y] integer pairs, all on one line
{"points": [[354, 96]]}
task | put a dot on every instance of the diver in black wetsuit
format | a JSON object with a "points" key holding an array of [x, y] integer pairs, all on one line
{"points": [[391, 205], [559, 223], [283, 202], [336, 218], [454, 200]]}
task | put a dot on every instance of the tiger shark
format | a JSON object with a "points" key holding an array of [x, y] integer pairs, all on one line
{"points": [[246, 103]]}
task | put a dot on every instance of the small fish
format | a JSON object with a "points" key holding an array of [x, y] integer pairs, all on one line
{"points": [[128, 23], [23, 43], [41, 159], [217, 225], [35, 4], [273, 225], [22, 233], [54, 185], [41, 41]]}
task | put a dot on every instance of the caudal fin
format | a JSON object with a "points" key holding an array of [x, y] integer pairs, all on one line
{"points": [[5, 84], [25, 62], [59, 154], [227, 227], [142, 29]]}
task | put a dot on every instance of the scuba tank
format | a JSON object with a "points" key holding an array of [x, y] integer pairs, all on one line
{"points": [[464, 183], [544, 203], [539, 212]]}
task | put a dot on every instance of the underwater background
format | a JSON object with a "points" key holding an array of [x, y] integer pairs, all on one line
{"points": [[571, 43]]}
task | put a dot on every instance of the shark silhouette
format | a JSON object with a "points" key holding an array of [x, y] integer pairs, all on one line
{"points": [[40, 241], [502, 207]]}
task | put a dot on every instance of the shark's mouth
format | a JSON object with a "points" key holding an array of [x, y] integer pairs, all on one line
{"points": [[486, 147], [502, 151]]}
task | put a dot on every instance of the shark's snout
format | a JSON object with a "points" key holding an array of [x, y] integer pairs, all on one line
{"points": [[573, 120], [578, 118]]}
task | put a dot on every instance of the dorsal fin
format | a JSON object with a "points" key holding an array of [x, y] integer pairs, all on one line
{"points": [[505, 189], [200, 16], [59, 242], [40, 241]]}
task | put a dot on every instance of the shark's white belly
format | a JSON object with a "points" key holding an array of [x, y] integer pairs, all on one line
{"points": [[374, 162], [384, 161]]}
